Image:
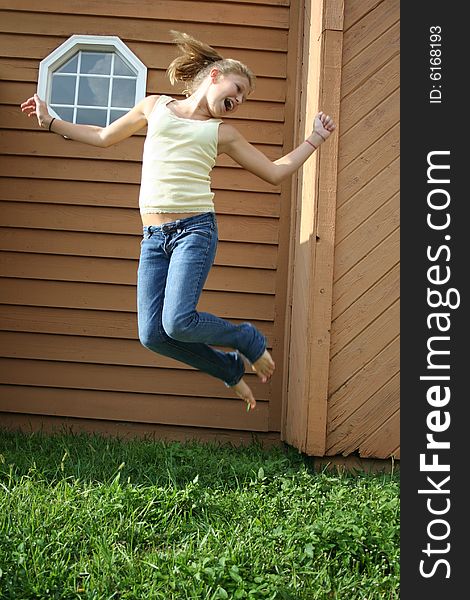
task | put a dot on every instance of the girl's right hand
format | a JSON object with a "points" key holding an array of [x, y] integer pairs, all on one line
{"points": [[37, 107]]}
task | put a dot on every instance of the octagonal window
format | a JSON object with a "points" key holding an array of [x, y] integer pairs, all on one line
{"points": [[92, 80]]}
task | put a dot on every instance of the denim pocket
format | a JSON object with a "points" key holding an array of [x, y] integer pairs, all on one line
{"points": [[204, 229]]}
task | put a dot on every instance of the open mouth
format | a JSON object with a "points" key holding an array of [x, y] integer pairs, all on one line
{"points": [[228, 103]]}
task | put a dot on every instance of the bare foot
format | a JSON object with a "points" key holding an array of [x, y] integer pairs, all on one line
{"points": [[243, 391], [264, 366]]}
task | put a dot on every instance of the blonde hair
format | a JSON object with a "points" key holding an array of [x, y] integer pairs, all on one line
{"points": [[197, 60]]}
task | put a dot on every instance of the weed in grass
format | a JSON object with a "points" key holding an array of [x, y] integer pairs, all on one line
{"points": [[99, 518]]}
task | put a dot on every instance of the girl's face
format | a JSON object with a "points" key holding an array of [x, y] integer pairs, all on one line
{"points": [[227, 93]]}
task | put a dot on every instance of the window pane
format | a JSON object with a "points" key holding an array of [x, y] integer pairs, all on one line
{"points": [[91, 116], [63, 89], [121, 68], [96, 62], [116, 114], [93, 91], [64, 113], [123, 93], [70, 66]]}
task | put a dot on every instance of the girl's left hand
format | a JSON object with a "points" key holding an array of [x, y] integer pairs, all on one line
{"points": [[323, 125]]}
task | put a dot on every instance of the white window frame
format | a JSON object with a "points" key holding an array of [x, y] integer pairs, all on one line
{"points": [[70, 47]]}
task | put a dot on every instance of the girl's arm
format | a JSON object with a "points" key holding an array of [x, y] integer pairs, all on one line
{"points": [[119, 130], [231, 142]]}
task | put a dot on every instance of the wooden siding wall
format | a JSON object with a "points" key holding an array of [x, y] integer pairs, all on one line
{"points": [[363, 404], [70, 228]]}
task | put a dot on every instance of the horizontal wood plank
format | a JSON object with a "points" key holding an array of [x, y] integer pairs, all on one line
{"points": [[93, 323], [136, 29], [223, 178], [19, 69], [153, 55], [59, 191], [76, 243], [268, 89], [123, 272], [24, 143], [126, 406], [86, 349], [256, 132], [121, 195], [94, 296], [124, 221], [183, 10], [252, 110], [50, 374], [126, 430]]}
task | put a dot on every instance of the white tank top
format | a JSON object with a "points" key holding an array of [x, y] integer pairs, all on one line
{"points": [[179, 155]]}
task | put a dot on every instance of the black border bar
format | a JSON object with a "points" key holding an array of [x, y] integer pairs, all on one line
{"points": [[435, 428]]}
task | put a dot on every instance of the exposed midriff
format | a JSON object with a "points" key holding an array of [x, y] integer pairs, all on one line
{"points": [[160, 218]]}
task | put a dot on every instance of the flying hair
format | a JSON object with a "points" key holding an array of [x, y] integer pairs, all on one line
{"points": [[196, 61]]}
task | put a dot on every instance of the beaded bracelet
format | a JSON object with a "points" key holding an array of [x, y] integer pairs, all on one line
{"points": [[50, 124]]}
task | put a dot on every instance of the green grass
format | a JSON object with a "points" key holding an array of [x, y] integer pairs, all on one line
{"points": [[91, 517]]}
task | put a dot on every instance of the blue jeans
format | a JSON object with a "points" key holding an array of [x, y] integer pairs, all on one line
{"points": [[174, 263]]}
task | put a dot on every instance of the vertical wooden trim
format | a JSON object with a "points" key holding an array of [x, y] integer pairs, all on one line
{"points": [[314, 207], [333, 15], [282, 310], [294, 428], [291, 136], [322, 288]]}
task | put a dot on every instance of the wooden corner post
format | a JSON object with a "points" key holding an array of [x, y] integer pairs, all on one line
{"points": [[313, 231]]}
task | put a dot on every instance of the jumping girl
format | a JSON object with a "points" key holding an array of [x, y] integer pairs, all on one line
{"points": [[184, 138]]}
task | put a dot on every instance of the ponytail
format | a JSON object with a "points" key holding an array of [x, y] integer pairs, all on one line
{"points": [[197, 59]]}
